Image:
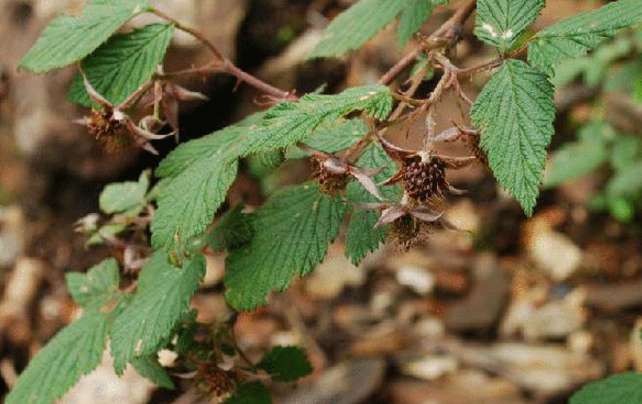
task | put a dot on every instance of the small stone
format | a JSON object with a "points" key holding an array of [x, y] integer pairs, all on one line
{"points": [[416, 278], [431, 367]]}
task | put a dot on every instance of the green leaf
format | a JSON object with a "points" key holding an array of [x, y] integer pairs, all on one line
{"points": [[287, 123], [362, 236], [250, 393], [515, 113], [97, 286], [122, 64], [286, 364], [574, 36], [627, 182], [501, 22], [73, 352], [232, 230], [123, 196], [355, 26], [106, 232], [414, 13], [331, 137], [625, 152], [617, 389], [291, 235], [163, 296], [574, 160], [68, 39], [149, 368]]}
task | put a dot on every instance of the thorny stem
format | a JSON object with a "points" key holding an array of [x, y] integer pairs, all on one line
{"points": [[447, 29], [224, 64]]}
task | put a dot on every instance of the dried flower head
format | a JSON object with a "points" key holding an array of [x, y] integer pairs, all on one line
{"points": [[112, 126], [333, 173], [423, 173]]}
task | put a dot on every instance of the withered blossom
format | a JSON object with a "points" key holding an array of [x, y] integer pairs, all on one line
{"points": [[333, 173], [113, 127]]}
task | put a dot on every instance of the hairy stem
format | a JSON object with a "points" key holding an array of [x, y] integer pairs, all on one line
{"points": [[225, 65]]}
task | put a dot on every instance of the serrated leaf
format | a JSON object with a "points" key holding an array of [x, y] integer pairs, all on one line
{"points": [[285, 124], [501, 22], [355, 26], [68, 39], [149, 368], [122, 64], [331, 137], [617, 389], [291, 235], [250, 393], [362, 236], [161, 299], [574, 160], [97, 286], [73, 352], [413, 15], [123, 196], [515, 113], [574, 36], [286, 363], [232, 230]]}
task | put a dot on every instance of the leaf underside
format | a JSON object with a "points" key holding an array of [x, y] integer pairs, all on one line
{"points": [[291, 234], [580, 33], [68, 39], [500, 22], [122, 64], [515, 113]]}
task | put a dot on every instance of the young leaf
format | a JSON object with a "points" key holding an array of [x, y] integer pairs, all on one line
{"points": [[97, 286], [291, 234], [356, 26], [413, 14], [500, 22], [73, 352], [149, 368], [287, 123], [363, 237], [68, 39], [162, 297], [286, 363], [123, 196], [122, 64], [617, 389], [331, 137], [250, 393], [580, 33], [515, 113]]}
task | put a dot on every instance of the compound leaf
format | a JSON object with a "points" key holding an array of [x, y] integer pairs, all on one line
{"points": [[291, 235], [123, 63], [356, 26], [97, 286], [68, 39], [580, 33], [163, 296], [501, 22], [73, 352], [362, 236], [515, 113], [286, 363], [617, 389], [414, 13], [250, 393], [149, 368], [285, 124]]}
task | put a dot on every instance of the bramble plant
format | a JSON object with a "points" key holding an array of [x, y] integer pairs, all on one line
{"points": [[383, 191]]}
